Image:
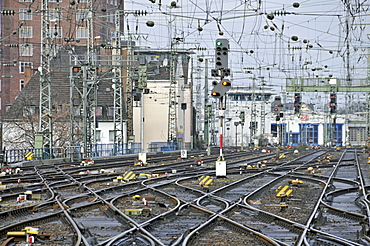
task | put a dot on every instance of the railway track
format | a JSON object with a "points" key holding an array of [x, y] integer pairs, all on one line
{"points": [[308, 199]]}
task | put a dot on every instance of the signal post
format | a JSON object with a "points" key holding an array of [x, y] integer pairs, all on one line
{"points": [[220, 88]]}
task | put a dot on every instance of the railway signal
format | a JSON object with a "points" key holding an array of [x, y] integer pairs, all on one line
{"points": [[297, 102], [226, 72], [333, 103], [76, 69], [221, 55], [221, 88], [277, 105], [242, 117]]}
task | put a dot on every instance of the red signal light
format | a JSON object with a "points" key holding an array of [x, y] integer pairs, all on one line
{"points": [[76, 69]]}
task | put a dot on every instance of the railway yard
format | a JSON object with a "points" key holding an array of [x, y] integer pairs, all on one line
{"points": [[316, 197]]}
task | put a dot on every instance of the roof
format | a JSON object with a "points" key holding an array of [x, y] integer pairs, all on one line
{"points": [[60, 86], [60, 83]]}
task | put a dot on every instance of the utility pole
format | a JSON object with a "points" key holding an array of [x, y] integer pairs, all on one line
{"points": [[129, 88], [207, 107], [172, 103], [218, 92], [242, 121], [263, 109], [83, 95], [198, 101], [118, 88], [253, 123], [90, 89], [45, 120], [368, 118], [236, 123]]}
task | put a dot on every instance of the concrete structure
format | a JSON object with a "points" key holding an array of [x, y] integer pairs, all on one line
{"points": [[256, 103], [153, 130], [163, 109]]}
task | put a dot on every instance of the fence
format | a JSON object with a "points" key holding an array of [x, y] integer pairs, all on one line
{"points": [[162, 146], [18, 155], [71, 152], [76, 152]]}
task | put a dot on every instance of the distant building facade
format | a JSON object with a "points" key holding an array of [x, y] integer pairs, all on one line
{"points": [[262, 126], [256, 105], [20, 46]]}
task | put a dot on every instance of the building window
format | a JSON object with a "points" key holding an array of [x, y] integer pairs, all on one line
{"points": [[21, 84], [112, 2], [357, 134], [111, 135], [82, 14], [338, 134], [55, 1], [98, 135], [29, 110], [99, 111], [294, 138], [237, 97], [24, 14], [309, 133], [56, 32], [82, 32], [25, 32], [267, 98], [253, 125], [274, 129], [55, 15], [111, 111], [111, 18], [23, 65], [25, 50]]}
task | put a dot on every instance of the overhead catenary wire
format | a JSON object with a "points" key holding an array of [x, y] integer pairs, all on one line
{"points": [[242, 22]]}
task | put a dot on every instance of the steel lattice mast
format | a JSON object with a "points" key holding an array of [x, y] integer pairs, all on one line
{"points": [[89, 89], [45, 121], [368, 104], [129, 88], [83, 94], [118, 86], [172, 103]]}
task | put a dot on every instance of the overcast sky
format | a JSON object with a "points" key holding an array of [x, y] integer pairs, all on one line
{"points": [[260, 35]]}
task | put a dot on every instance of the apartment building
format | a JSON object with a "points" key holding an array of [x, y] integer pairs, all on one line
{"points": [[20, 46]]}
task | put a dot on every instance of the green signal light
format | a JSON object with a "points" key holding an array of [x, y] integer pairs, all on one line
{"points": [[218, 43]]}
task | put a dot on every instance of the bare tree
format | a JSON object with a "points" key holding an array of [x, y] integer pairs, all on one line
{"points": [[20, 129]]}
